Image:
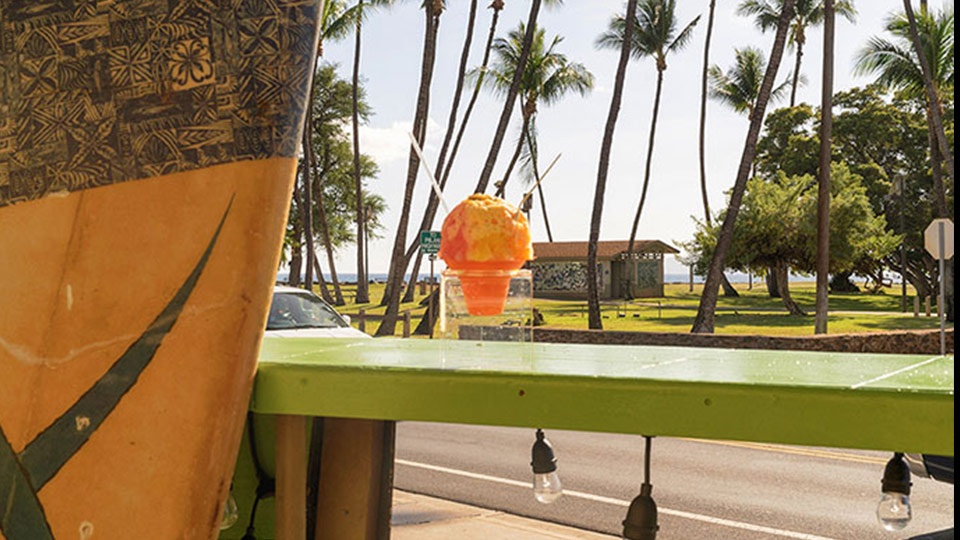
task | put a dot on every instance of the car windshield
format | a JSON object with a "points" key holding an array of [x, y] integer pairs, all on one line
{"points": [[301, 310]]}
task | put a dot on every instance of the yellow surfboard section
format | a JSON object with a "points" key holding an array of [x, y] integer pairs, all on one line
{"points": [[97, 269], [147, 158]]}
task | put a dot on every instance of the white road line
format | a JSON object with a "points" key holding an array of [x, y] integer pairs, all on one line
{"points": [[618, 502], [897, 372]]}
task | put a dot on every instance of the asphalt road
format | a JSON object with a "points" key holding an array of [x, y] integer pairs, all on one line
{"points": [[703, 489]]}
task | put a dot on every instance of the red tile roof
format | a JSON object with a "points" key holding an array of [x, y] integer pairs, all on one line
{"points": [[605, 249]]}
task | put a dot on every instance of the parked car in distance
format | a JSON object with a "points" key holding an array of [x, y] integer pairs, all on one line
{"points": [[300, 313]]}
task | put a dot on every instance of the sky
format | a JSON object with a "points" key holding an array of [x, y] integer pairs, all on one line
{"points": [[573, 127]]}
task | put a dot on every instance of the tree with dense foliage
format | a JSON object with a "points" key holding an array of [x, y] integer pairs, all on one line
{"points": [[777, 227]]}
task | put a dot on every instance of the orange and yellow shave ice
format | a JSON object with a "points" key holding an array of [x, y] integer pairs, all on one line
{"points": [[485, 239]]}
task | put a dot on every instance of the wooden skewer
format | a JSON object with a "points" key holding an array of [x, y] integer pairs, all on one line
{"points": [[542, 176], [436, 185]]}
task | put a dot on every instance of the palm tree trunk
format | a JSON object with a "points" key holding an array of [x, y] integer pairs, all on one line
{"points": [[296, 248], [783, 278], [306, 211], [363, 291], [431, 211], [704, 321], [593, 296], [823, 189], [325, 235], [497, 5], [936, 122], [728, 289], [703, 115], [536, 178], [511, 99], [502, 186], [795, 82], [398, 263], [646, 170]]}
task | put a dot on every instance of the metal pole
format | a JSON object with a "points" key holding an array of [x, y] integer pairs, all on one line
{"points": [[943, 249], [430, 300], [903, 252]]}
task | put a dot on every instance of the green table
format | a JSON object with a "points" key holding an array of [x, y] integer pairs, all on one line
{"points": [[845, 400]]}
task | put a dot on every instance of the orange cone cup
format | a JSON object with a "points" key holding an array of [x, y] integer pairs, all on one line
{"points": [[485, 286], [485, 239]]}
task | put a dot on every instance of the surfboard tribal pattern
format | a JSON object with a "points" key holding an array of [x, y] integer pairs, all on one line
{"points": [[95, 93]]}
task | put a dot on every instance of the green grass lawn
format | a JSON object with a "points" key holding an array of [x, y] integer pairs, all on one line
{"points": [[753, 312]]}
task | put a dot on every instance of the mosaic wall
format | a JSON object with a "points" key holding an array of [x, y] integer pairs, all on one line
{"points": [[648, 274], [565, 276], [97, 92]]}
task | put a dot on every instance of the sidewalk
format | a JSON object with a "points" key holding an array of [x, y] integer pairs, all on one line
{"points": [[418, 517]]}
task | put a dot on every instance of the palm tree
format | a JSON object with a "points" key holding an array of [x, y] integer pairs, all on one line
{"points": [[398, 263], [728, 289], [358, 14], [547, 77], [332, 26], [655, 34], [703, 323], [920, 65], [898, 67], [703, 113], [510, 101], [593, 298], [807, 13], [823, 188], [433, 201], [739, 88]]}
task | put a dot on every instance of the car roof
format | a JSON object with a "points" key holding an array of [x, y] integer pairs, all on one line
{"points": [[288, 288]]}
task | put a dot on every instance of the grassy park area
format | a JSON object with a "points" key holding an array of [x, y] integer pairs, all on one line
{"points": [[753, 312]]}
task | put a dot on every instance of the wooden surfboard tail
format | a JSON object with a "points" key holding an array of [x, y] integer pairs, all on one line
{"points": [[147, 158]]}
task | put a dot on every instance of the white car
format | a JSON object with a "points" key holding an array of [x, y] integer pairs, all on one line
{"points": [[300, 313]]}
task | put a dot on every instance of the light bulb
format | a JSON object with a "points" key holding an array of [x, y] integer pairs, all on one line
{"points": [[894, 511], [230, 513], [546, 487], [546, 483]]}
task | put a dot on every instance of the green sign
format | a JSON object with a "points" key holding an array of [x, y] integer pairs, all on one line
{"points": [[429, 242]]}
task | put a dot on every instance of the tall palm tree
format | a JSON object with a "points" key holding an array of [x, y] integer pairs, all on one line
{"points": [[332, 26], [807, 13], [547, 77], [510, 101], [398, 263], [593, 297], [655, 34], [703, 114], [925, 75], [706, 311], [739, 88], [728, 289], [433, 201], [823, 188], [358, 14]]}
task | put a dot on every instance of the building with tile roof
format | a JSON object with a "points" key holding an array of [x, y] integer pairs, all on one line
{"points": [[560, 269]]}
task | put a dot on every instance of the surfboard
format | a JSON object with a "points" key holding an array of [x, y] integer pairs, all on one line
{"points": [[148, 150]]}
